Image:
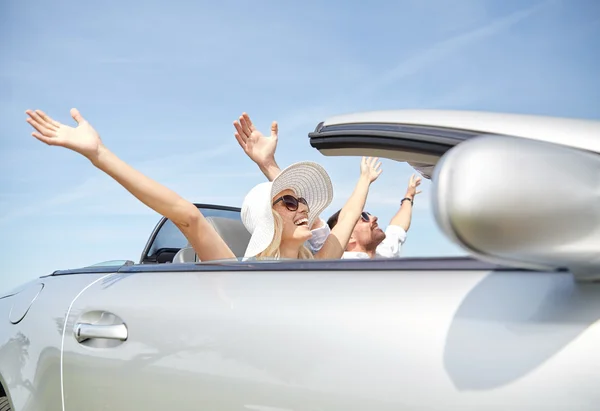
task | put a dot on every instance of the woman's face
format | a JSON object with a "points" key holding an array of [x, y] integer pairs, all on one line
{"points": [[294, 214]]}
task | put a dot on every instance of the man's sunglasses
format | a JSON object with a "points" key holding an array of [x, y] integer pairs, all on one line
{"points": [[365, 216], [290, 202]]}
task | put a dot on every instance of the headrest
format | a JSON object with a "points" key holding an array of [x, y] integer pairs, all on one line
{"points": [[232, 232]]}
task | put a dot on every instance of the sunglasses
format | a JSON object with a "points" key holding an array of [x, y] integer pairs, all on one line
{"points": [[365, 216], [290, 202]]}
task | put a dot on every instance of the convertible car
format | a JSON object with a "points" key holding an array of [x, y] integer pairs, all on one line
{"points": [[512, 326]]}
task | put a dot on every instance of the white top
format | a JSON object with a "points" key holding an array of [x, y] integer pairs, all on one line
{"points": [[390, 247]]}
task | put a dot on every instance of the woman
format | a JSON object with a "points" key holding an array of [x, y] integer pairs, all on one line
{"points": [[277, 214]]}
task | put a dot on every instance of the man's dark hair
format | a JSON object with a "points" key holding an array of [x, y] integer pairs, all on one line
{"points": [[333, 220]]}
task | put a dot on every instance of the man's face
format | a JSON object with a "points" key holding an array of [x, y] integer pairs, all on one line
{"points": [[367, 233]]}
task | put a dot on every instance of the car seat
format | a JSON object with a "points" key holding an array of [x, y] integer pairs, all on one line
{"points": [[231, 231]]}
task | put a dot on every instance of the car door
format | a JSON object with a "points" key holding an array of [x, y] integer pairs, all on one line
{"points": [[346, 335]]}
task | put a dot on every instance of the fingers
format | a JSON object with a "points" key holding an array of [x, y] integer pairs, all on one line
{"points": [[414, 182], [245, 126], [246, 118], [76, 115], [40, 125], [47, 140], [364, 168], [52, 123], [371, 166], [378, 168], [274, 129], [240, 140], [240, 132], [372, 162], [39, 122]]}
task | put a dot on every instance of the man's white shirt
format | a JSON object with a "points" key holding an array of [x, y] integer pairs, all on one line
{"points": [[390, 247]]}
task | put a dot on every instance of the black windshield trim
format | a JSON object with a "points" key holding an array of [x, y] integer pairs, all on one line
{"points": [[405, 137], [397, 129]]}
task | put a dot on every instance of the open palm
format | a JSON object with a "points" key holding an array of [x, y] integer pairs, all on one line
{"points": [[371, 168], [255, 144], [82, 139], [413, 183]]}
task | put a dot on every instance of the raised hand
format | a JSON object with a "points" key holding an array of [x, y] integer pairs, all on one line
{"points": [[413, 183], [82, 139], [370, 168], [260, 148], [334, 246]]}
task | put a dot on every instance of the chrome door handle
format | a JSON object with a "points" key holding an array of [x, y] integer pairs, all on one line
{"points": [[85, 331]]}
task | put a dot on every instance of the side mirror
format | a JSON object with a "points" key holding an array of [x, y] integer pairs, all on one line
{"points": [[521, 202]]}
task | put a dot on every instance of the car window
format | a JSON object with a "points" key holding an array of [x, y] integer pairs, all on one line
{"points": [[170, 237]]}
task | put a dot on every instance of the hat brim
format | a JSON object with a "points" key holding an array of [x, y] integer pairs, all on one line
{"points": [[308, 180]]}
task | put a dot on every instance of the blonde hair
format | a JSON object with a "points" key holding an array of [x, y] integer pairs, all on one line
{"points": [[272, 250]]}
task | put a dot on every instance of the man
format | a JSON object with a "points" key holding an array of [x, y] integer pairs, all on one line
{"points": [[368, 240]]}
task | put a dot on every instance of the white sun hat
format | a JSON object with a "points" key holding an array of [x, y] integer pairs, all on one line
{"points": [[306, 179]]}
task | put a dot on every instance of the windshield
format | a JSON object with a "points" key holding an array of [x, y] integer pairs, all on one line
{"points": [[169, 239]]}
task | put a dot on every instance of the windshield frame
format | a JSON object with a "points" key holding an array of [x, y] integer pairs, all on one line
{"points": [[146, 259]]}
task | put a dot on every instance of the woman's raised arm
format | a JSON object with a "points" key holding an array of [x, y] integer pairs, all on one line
{"points": [[84, 140]]}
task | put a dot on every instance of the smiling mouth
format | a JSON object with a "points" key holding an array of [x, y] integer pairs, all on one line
{"points": [[302, 222]]}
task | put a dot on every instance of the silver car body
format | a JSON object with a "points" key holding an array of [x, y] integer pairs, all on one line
{"points": [[401, 334]]}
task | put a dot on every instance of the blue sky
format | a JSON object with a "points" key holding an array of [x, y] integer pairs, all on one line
{"points": [[162, 83]]}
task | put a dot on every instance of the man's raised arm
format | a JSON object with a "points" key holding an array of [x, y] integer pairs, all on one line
{"points": [[404, 215]]}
